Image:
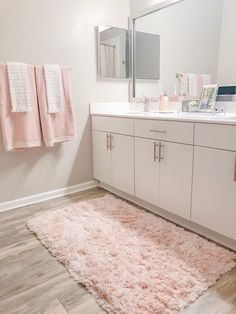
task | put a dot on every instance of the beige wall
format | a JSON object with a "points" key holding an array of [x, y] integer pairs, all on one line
{"points": [[57, 31]]}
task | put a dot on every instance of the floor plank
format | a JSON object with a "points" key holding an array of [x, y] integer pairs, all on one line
{"points": [[32, 281]]}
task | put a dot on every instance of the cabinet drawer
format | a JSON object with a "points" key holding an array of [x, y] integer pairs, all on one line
{"points": [[180, 132], [215, 136], [113, 125]]}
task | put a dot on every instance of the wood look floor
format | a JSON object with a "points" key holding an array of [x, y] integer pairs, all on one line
{"points": [[32, 281]]}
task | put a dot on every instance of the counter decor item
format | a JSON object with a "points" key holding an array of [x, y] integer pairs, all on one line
{"points": [[164, 103], [189, 105], [208, 98]]}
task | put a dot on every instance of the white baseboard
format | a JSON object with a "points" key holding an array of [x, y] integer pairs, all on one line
{"points": [[36, 198]]}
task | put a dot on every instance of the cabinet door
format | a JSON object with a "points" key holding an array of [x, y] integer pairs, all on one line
{"points": [[146, 170], [123, 163], [176, 178], [101, 157], [214, 190]]}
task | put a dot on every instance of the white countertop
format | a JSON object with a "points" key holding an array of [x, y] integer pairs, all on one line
{"points": [[198, 118], [124, 112]]}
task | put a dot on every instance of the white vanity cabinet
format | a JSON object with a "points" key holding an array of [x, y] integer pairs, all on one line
{"points": [[147, 170], [113, 154], [186, 168], [102, 169], [176, 178], [122, 162], [163, 175], [163, 169], [214, 179]]}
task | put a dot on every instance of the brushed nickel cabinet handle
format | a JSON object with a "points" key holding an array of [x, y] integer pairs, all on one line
{"points": [[235, 170], [158, 131], [160, 151], [155, 151], [107, 137], [110, 141]]}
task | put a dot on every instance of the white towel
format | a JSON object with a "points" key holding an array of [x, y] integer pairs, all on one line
{"points": [[54, 88], [193, 85], [184, 84], [19, 86]]}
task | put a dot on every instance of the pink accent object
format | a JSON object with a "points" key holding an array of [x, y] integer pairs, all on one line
{"points": [[56, 127], [20, 129], [130, 260]]}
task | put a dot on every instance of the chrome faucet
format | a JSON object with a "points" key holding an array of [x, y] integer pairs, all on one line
{"points": [[145, 101]]}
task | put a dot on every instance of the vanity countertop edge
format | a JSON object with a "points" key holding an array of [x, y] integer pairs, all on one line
{"points": [[171, 117]]}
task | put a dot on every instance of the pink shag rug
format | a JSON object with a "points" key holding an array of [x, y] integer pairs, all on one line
{"points": [[131, 261]]}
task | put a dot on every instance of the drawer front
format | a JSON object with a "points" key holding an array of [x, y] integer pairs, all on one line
{"points": [[113, 125], [215, 136], [180, 132]]}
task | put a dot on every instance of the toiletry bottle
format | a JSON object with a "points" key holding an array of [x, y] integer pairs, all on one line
{"points": [[161, 98], [175, 97], [165, 102]]}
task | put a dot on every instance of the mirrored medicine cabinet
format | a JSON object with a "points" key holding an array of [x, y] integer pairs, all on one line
{"points": [[113, 54]]}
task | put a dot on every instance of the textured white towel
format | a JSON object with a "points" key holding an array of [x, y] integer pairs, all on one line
{"points": [[193, 87], [19, 86], [188, 84], [54, 88]]}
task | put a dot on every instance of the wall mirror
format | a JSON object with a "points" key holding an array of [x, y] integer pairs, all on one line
{"points": [[196, 46], [113, 54]]}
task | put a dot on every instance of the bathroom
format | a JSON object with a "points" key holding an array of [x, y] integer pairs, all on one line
{"points": [[136, 212]]}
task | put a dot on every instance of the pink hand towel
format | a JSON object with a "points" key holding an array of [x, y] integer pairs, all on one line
{"points": [[60, 126], [20, 130]]}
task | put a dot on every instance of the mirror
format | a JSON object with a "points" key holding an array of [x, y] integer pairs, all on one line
{"points": [[113, 48], [196, 47], [147, 56], [112, 52]]}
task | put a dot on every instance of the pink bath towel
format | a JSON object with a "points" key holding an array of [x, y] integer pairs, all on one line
{"points": [[20, 130], [60, 126]]}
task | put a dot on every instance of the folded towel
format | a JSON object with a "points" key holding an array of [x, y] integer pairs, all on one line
{"points": [[192, 85], [184, 84], [20, 130], [56, 127], [19, 86], [188, 85], [54, 88]]}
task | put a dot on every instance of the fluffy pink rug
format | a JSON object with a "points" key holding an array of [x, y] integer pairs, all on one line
{"points": [[131, 261]]}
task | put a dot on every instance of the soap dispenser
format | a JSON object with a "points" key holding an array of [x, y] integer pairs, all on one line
{"points": [[164, 101]]}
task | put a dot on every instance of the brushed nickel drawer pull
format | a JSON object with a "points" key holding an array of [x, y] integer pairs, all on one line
{"points": [[158, 131], [160, 150], [235, 170], [155, 151]]}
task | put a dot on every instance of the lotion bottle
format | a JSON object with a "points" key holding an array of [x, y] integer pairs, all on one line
{"points": [[161, 98]]}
